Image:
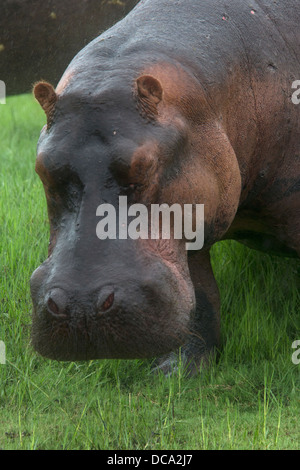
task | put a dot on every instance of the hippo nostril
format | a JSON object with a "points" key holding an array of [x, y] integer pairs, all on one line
{"points": [[107, 303], [57, 303], [52, 306]]}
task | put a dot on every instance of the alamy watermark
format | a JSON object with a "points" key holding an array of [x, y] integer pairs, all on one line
{"points": [[2, 353], [296, 94], [154, 225], [296, 354], [296, 344], [2, 92]]}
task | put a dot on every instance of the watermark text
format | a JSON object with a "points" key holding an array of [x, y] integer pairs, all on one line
{"points": [[296, 94], [2, 92], [2, 353], [296, 354], [163, 222]]}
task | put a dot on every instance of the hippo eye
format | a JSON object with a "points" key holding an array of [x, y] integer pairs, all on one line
{"points": [[133, 187]]}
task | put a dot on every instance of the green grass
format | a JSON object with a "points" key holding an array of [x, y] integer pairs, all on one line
{"points": [[250, 399]]}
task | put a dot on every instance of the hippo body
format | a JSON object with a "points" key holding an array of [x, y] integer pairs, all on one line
{"points": [[182, 101]]}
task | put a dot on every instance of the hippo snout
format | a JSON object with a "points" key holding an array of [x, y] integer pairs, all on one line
{"points": [[129, 317]]}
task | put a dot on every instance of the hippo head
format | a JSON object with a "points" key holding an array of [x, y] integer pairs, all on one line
{"points": [[115, 297]]}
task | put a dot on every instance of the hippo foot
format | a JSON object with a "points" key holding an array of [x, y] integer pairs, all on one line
{"points": [[168, 364], [183, 361]]}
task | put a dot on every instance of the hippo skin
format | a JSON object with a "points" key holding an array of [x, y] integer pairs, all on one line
{"points": [[183, 101]]}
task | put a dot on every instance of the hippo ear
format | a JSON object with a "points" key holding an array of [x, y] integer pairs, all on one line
{"points": [[46, 96], [150, 88], [150, 93]]}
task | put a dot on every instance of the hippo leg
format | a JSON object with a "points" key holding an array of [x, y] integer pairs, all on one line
{"points": [[204, 337]]}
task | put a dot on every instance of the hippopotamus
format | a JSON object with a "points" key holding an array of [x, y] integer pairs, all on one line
{"points": [[182, 102]]}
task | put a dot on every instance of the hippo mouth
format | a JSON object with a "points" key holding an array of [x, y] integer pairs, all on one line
{"points": [[115, 336], [141, 310]]}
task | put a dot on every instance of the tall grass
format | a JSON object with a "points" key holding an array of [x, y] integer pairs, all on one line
{"points": [[249, 399]]}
